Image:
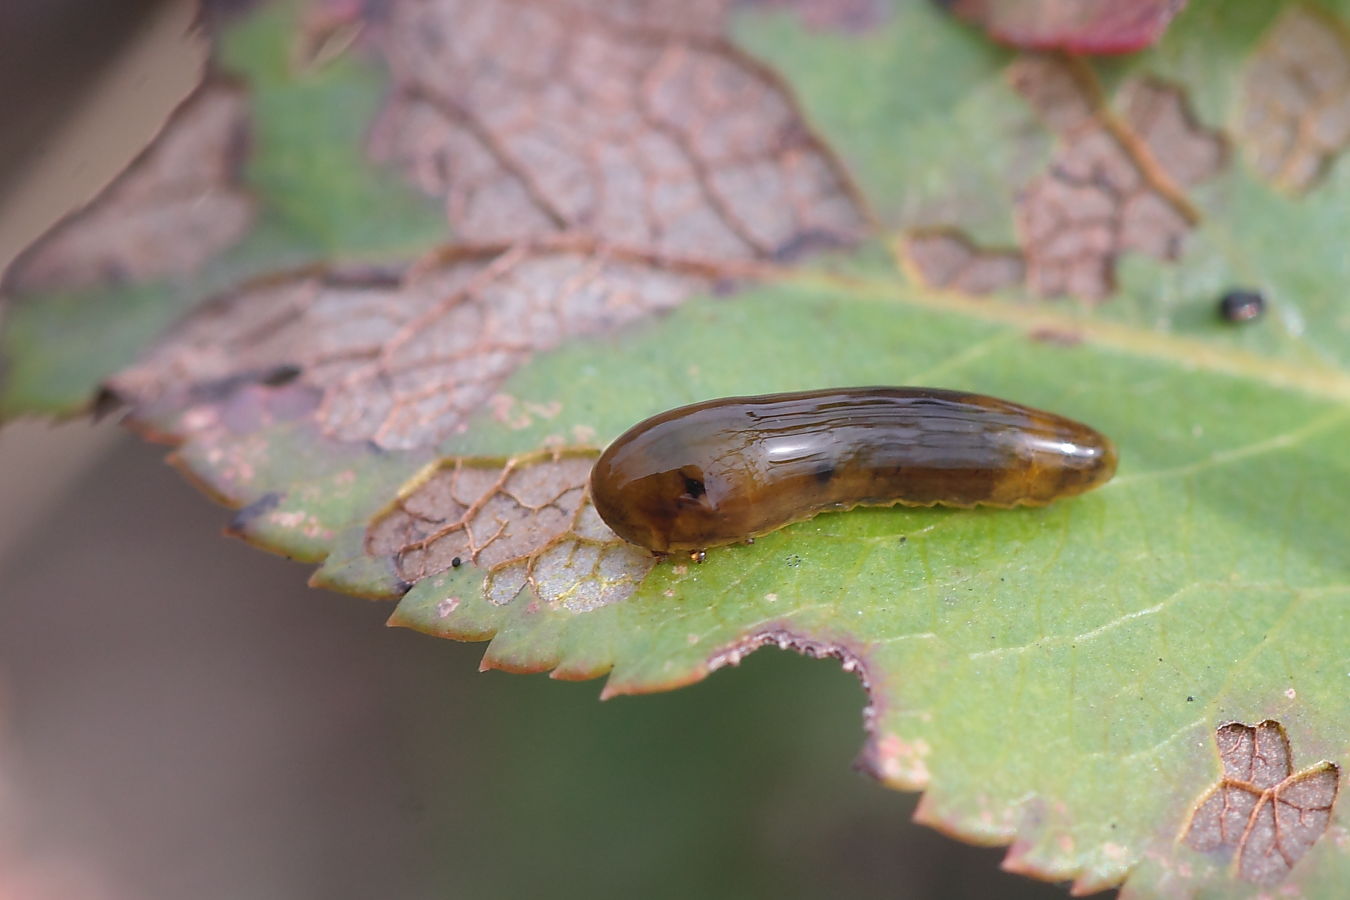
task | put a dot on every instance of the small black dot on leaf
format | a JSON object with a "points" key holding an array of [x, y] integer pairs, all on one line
{"points": [[1242, 305]]}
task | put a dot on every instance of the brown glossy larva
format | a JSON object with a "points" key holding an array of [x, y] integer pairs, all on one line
{"points": [[723, 471]]}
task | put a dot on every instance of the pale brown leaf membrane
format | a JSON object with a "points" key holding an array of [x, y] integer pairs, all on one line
{"points": [[1259, 810], [1296, 98], [177, 205], [537, 117], [851, 16], [402, 360], [526, 521], [946, 259], [706, 18], [1116, 183], [1113, 185]]}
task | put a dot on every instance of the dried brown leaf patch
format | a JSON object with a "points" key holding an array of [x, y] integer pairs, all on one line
{"points": [[1261, 810], [850, 16], [621, 121], [402, 359], [946, 259], [1116, 183], [177, 205], [1295, 116], [526, 521]]}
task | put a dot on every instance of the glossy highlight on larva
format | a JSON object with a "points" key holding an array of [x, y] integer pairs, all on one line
{"points": [[728, 470]]}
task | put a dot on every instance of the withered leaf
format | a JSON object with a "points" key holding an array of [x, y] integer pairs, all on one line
{"points": [[1296, 98], [1115, 184], [533, 117], [177, 205], [852, 16], [402, 360], [527, 521], [1261, 810], [944, 258]]}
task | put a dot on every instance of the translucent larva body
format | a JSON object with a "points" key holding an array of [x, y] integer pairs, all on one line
{"points": [[727, 470]]}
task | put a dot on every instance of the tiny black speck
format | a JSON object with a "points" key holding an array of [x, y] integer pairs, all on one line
{"points": [[456, 563], [1190, 699], [693, 487], [1242, 305]]}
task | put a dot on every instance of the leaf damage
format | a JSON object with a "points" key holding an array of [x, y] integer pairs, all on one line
{"points": [[1117, 183], [400, 360], [526, 521], [532, 118], [178, 204], [1261, 811], [848, 16], [946, 259], [1295, 118]]}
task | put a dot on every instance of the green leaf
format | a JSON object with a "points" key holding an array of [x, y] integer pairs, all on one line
{"points": [[662, 219]]}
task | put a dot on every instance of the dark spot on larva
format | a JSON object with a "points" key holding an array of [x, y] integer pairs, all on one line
{"points": [[281, 375], [247, 515], [456, 563], [694, 487], [825, 473], [1242, 305]]}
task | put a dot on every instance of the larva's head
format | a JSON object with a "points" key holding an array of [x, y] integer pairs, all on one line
{"points": [[669, 483], [663, 510]]}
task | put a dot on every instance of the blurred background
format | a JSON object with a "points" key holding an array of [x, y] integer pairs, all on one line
{"points": [[181, 717]]}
